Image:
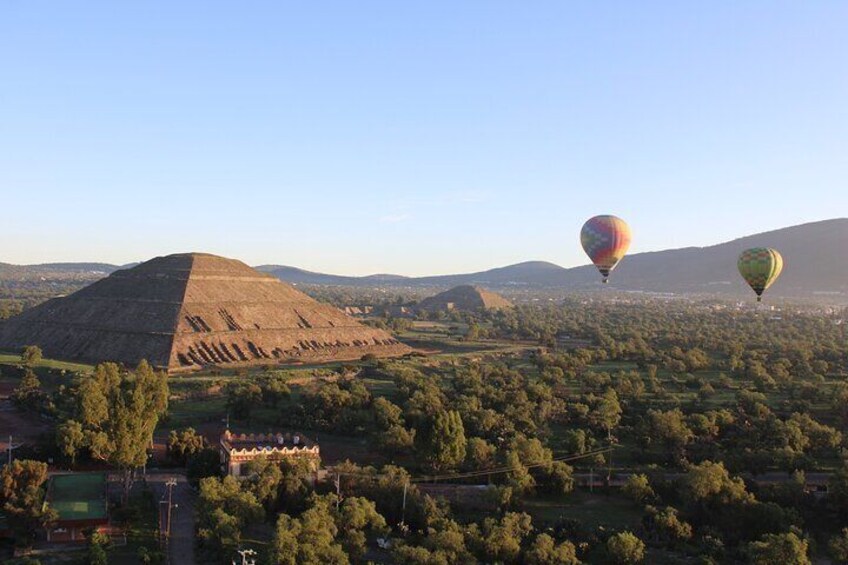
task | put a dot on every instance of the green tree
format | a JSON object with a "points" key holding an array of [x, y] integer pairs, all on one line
{"points": [[310, 539], [625, 548], [638, 488], [31, 355], [242, 398], [183, 444], [666, 526], [447, 441], [22, 497], [70, 438], [264, 478], [710, 481], [502, 539], [224, 507], [545, 551], [779, 548], [607, 412], [28, 393], [357, 518], [838, 546]]}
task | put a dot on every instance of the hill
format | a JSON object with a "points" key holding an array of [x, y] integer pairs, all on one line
{"points": [[464, 297], [816, 264]]}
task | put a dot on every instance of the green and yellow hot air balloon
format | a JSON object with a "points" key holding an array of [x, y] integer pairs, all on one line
{"points": [[760, 267]]}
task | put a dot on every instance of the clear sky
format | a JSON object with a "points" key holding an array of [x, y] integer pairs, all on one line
{"points": [[431, 137]]}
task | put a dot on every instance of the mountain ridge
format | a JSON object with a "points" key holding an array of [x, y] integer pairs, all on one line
{"points": [[815, 254]]}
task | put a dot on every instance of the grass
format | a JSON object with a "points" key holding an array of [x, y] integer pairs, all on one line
{"points": [[14, 359], [593, 510]]}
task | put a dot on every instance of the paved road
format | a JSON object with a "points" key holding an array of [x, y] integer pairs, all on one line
{"points": [[181, 545]]}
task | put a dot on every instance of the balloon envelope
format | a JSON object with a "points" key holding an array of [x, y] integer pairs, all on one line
{"points": [[760, 267], [605, 240]]}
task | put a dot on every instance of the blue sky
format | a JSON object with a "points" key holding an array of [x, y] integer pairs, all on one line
{"points": [[413, 137]]}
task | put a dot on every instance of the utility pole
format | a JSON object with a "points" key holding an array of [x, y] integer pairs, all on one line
{"points": [[338, 483], [403, 508], [171, 483], [10, 449]]}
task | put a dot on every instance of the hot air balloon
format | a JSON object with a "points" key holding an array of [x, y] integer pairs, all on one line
{"points": [[760, 267], [605, 240]]}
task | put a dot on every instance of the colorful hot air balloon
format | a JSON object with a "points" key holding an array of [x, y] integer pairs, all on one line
{"points": [[760, 267], [605, 240]]}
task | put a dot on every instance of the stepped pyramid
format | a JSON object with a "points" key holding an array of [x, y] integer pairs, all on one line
{"points": [[187, 311], [465, 297]]}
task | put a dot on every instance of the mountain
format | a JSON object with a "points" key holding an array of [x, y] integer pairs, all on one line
{"points": [[301, 276], [815, 263], [56, 271], [815, 257]]}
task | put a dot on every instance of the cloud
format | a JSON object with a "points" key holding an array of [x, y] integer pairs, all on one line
{"points": [[394, 218]]}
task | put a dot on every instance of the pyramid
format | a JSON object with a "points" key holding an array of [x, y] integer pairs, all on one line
{"points": [[464, 297], [188, 311]]}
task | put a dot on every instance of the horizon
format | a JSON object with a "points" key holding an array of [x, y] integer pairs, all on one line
{"points": [[365, 139], [130, 264]]}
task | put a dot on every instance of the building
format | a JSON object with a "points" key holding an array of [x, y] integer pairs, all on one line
{"points": [[237, 450], [81, 501]]}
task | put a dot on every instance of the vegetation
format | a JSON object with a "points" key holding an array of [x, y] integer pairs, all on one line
{"points": [[586, 431]]}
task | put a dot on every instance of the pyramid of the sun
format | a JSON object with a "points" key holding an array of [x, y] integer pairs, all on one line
{"points": [[188, 311]]}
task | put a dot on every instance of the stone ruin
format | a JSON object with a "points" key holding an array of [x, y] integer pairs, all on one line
{"points": [[189, 311]]}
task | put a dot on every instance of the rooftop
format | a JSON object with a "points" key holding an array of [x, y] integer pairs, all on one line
{"points": [[265, 442]]}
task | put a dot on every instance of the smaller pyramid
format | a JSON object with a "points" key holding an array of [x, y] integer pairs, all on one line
{"points": [[193, 310], [464, 298]]}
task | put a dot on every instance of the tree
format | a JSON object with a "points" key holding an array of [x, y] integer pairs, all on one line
{"points": [[779, 548], [31, 355], [545, 551], [206, 463], [560, 478], [638, 488], [97, 555], [670, 428], [356, 518], [119, 411], [447, 441], [274, 390], [665, 525], [28, 393], [70, 438], [310, 539], [838, 546], [502, 540], [242, 398], [22, 498], [223, 510], [183, 444], [710, 481], [607, 412], [625, 548]]}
